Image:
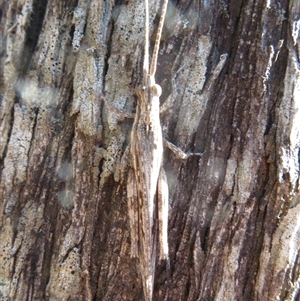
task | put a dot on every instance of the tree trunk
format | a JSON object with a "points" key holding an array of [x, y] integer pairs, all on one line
{"points": [[233, 212]]}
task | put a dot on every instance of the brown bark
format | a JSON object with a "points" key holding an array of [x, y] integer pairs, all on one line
{"points": [[234, 213]]}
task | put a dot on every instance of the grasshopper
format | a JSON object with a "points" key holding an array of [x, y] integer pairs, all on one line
{"points": [[147, 188]]}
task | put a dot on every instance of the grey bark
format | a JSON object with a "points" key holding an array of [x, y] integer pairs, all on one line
{"points": [[234, 213]]}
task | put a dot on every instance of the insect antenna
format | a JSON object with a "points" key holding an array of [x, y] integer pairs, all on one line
{"points": [[146, 49], [158, 37]]}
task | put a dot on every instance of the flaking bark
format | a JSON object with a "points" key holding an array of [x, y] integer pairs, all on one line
{"points": [[233, 213]]}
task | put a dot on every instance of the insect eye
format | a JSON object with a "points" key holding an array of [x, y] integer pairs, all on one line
{"points": [[140, 90], [156, 90]]}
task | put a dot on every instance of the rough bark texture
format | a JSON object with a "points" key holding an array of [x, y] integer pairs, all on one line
{"points": [[234, 213]]}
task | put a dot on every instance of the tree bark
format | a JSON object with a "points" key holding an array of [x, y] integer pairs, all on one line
{"points": [[233, 213]]}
